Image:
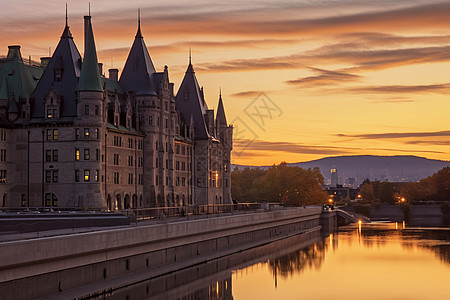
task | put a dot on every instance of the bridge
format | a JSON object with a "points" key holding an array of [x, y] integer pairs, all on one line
{"points": [[351, 218]]}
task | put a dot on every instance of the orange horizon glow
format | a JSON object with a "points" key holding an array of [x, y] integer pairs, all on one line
{"points": [[300, 80]]}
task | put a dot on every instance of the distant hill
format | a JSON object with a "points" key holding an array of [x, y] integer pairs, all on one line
{"points": [[391, 168]]}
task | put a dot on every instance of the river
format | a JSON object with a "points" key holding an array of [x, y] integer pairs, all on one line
{"points": [[369, 261]]}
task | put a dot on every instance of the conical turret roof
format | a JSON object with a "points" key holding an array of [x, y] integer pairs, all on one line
{"points": [[138, 72], [90, 75], [220, 117], [190, 103]]}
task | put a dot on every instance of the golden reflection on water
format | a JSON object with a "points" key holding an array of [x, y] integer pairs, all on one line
{"points": [[364, 262]]}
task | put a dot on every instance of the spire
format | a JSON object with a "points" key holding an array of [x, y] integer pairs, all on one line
{"points": [[190, 68], [90, 76], [66, 33], [138, 33], [220, 117]]}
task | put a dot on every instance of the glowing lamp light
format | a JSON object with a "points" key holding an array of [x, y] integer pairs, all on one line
{"points": [[359, 222]]}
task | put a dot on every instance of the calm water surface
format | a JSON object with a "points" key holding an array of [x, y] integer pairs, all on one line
{"points": [[374, 261]]}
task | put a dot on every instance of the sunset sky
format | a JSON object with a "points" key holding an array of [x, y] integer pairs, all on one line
{"points": [[301, 80]]}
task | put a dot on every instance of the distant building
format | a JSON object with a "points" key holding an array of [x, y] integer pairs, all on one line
{"points": [[72, 138], [334, 177], [339, 193], [351, 182]]}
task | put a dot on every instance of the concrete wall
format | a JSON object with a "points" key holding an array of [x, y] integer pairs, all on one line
{"points": [[50, 265]]}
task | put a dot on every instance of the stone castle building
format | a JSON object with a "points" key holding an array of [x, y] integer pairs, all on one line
{"points": [[73, 138]]}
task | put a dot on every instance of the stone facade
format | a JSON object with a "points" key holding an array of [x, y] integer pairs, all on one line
{"points": [[77, 139]]}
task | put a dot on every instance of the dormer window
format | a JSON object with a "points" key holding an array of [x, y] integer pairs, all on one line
{"points": [[52, 106]]}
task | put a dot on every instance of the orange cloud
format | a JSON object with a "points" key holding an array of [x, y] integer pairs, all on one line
{"points": [[325, 77]]}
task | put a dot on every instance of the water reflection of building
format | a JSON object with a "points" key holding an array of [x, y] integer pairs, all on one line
{"points": [[310, 257]]}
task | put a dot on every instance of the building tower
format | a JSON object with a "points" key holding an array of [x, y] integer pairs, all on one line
{"points": [[334, 177]]}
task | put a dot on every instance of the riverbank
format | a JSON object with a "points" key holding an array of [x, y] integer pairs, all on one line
{"points": [[53, 265]]}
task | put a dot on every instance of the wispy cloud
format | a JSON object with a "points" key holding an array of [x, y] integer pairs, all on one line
{"points": [[397, 135], [297, 148], [246, 94], [443, 88], [325, 77]]}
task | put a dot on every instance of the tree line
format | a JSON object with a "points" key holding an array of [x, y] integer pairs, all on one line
{"points": [[280, 183], [433, 188]]}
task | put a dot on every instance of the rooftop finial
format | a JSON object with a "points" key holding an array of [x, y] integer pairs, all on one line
{"points": [[67, 23], [220, 92], [190, 56], [89, 9], [138, 33]]}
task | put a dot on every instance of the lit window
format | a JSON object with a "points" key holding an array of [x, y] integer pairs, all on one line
{"points": [[86, 133], [55, 134], [87, 175], [77, 154]]}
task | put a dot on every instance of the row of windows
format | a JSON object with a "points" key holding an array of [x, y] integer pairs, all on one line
{"points": [[87, 133], [117, 177], [216, 166], [51, 155], [183, 165], [117, 141], [52, 134], [86, 154], [51, 176], [179, 181], [87, 175], [182, 150], [87, 110]]}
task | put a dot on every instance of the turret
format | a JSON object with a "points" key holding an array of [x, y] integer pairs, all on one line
{"points": [[90, 88]]}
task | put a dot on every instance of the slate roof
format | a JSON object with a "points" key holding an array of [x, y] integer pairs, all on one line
{"points": [[90, 75], [17, 79], [66, 55], [190, 103], [138, 72]]}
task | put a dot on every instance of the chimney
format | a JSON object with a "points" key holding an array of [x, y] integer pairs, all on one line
{"points": [[114, 74], [100, 68], [44, 61], [14, 52]]}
